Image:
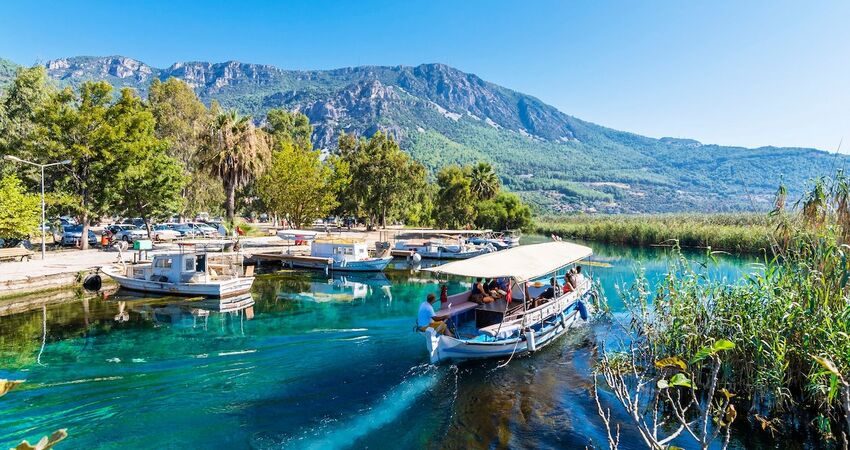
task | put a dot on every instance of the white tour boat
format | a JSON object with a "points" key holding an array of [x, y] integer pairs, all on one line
{"points": [[186, 273], [501, 328]]}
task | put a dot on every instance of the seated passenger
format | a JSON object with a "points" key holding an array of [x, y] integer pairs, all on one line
{"points": [[578, 279], [494, 290], [479, 294], [425, 318], [569, 285], [549, 293]]}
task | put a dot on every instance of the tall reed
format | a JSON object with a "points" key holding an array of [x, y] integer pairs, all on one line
{"points": [[789, 319], [739, 233]]}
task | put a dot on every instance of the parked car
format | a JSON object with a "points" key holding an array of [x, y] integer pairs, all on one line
{"points": [[67, 221], [185, 229], [163, 232], [127, 232], [205, 230], [73, 234]]}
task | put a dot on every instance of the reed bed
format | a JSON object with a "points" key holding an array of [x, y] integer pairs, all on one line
{"points": [[788, 321], [738, 233]]}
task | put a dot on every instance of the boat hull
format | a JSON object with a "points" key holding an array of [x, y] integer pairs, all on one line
{"points": [[369, 265], [222, 289]]}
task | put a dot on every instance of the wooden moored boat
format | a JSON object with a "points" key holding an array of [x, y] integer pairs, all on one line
{"points": [[523, 326], [186, 273]]}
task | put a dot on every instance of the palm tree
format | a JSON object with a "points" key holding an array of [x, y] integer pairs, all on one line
{"points": [[234, 151], [484, 183]]}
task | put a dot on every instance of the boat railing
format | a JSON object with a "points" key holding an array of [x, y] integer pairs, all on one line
{"points": [[554, 306]]}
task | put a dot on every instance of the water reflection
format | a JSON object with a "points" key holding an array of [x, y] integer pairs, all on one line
{"points": [[182, 312], [342, 288]]}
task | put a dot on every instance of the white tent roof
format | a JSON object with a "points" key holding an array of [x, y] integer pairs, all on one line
{"points": [[520, 263]]}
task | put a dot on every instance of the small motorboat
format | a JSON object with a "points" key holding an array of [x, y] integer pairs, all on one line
{"points": [[185, 273], [437, 249], [524, 321], [343, 254], [497, 243], [511, 237], [298, 236]]}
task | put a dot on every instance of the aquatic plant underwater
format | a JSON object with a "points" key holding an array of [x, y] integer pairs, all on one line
{"points": [[772, 349]]}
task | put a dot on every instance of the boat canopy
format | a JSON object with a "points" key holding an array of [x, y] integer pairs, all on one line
{"points": [[520, 263]]}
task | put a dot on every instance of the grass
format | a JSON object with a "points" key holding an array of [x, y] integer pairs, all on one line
{"points": [[739, 233]]}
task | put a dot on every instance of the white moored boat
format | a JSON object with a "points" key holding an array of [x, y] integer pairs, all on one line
{"points": [[186, 273], [520, 326], [343, 254], [437, 249]]}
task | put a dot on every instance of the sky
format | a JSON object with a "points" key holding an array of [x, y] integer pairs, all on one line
{"points": [[747, 73]]}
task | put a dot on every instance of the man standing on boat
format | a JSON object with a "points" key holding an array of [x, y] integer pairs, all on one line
{"points": [[425, 318]]}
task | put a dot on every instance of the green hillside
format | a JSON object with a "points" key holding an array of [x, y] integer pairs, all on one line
{"points": [[444, 116]]}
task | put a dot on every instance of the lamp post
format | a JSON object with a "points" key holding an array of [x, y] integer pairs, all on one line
{"points": [[40, 166]]}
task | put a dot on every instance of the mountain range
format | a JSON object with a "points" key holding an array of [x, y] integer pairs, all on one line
{"points": [[442, 116]]}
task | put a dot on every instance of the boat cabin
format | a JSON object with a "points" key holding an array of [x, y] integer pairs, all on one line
{"points": [[181, 268]]}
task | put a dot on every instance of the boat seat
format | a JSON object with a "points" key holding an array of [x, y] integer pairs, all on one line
{"points": [[455, 309], [500, 333]]}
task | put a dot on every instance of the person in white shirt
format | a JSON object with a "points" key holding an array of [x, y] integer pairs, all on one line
{"points": [[578, 278], [425, 317]]}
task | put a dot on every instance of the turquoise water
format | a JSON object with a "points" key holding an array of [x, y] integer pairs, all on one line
{"points": [[306, 361]]}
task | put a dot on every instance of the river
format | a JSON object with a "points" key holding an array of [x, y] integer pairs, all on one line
{"points": [[314, 362]]}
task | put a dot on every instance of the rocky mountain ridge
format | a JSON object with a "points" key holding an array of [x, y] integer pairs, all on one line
{"points": [[442, 116]]}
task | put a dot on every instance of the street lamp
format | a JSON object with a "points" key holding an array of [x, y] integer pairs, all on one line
{"points": [[40, 166]]}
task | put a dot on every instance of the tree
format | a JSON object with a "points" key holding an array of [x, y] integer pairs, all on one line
{"points": [[484, 182], [181, 118], [95, 135], [234, 151], [384, 180], [295, 127], [505, 211], [20, 105], [455, 202], [150, 187], [297, 185], [19, 211]]}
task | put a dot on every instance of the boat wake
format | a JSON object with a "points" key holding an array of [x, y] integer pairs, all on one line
{"points": [[392, 405]]}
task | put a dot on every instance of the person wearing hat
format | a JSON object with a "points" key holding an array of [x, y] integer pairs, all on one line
{"points": [[425, 317]]}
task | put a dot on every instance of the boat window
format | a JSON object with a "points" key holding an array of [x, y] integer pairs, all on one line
{"points": [[190, 265], [349, 251], [163, 263]]}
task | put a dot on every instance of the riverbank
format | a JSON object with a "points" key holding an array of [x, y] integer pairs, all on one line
{"points": [[67, 268], [737, 233]]}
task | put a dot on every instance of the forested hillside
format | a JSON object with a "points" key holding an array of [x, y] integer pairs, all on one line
{"points": [[442, 116]]}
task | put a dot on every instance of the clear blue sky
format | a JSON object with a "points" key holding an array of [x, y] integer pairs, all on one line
{"points": [[729, 72]]}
